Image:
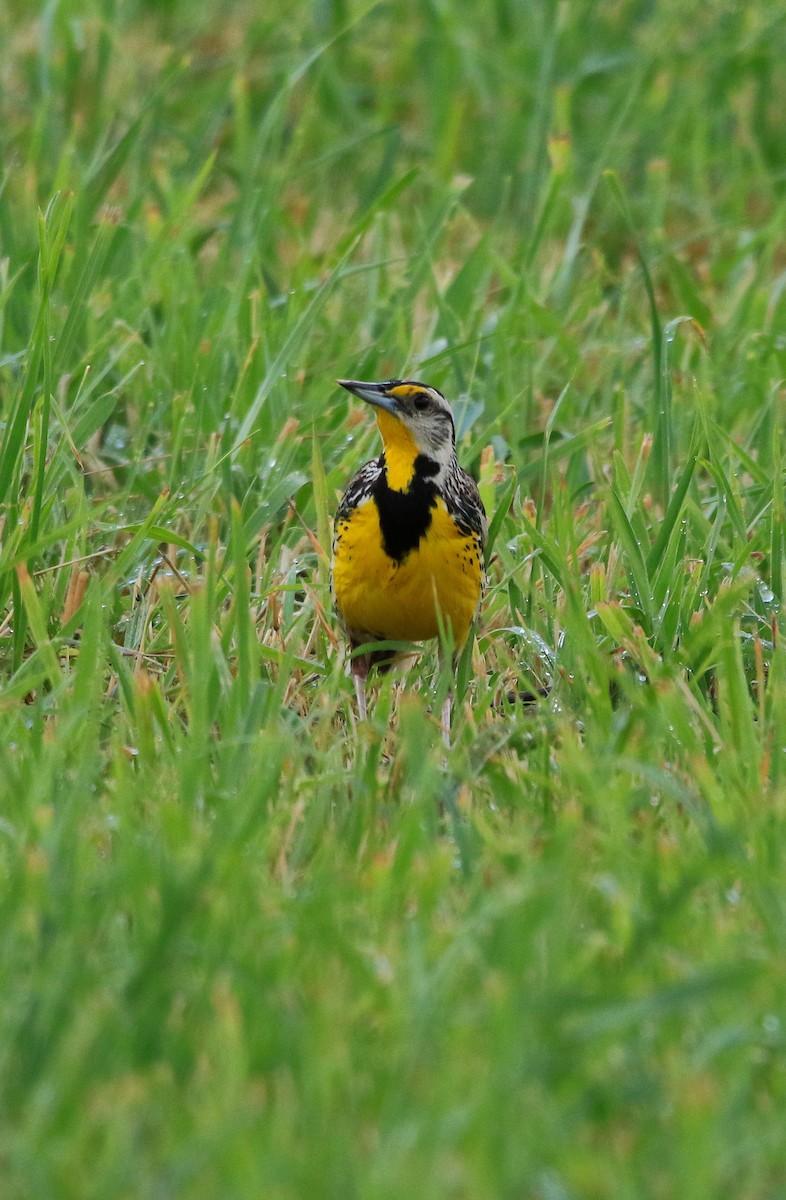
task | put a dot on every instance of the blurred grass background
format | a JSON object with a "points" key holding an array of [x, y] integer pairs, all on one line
{"points": [[242, 951]]}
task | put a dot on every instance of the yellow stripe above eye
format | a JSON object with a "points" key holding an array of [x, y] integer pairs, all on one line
{"points": [[404, 391]]}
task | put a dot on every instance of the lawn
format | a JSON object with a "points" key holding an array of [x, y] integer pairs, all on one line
{"points": [[249, 946]]}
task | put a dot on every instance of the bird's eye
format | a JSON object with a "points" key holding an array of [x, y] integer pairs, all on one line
{"points": [[421, 402]]}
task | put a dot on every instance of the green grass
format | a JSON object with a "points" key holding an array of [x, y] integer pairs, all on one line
{"points": [[249, 947]]}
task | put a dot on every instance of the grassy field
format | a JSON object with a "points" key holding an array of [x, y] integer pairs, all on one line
{"points": [[248, 947]]}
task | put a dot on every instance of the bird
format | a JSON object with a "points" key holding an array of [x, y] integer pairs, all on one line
{"points": [[409, 534]]}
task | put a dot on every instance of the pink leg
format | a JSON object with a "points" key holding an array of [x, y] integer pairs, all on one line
{"points": [[360, 692], [359, 670], [445, 719]]}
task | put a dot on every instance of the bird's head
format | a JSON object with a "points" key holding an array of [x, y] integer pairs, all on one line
{"points": [[413, 418]]}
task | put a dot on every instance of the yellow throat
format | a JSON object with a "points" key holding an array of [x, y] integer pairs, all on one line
{"points": [[400, 450]]}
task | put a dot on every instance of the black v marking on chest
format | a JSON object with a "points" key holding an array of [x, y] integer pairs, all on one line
{"points": [[405, 517]]}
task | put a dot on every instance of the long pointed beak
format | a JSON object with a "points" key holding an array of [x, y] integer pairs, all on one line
{"points": [[372, 393]]}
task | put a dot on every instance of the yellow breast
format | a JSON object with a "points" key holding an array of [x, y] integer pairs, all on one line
{"points": [[380, 598]]}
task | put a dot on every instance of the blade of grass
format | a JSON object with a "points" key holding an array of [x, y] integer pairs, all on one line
{"points": [[37, 622], [636, 567]]}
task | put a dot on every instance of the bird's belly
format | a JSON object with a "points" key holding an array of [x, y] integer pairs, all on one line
{"points": [[380, 597]]}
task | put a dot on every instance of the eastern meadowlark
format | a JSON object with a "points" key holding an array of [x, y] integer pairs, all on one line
{"points": [[409, 534]]}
